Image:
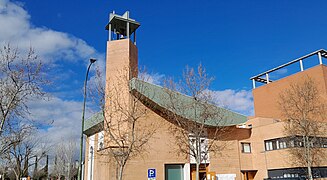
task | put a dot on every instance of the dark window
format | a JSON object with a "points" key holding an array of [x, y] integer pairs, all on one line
{"points": [[297, 173], [279, 143], [271, 144], [295, 141], [246, 147]]}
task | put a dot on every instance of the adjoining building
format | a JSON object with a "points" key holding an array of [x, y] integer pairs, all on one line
{"points": [[257, 148]]}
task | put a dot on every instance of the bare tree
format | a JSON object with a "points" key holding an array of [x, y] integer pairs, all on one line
{"points": [[197, 124], [21, 79], [304, 110], [127, 132], [43, 172], [3, 169], [64, 159], [24, 152]]}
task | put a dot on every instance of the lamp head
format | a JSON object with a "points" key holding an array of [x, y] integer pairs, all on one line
{"points": [[92, 60]]}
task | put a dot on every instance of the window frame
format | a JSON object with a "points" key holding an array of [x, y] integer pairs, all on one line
{"points": [[249, 147]]}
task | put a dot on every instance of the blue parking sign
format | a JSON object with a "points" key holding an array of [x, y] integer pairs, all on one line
{"points": [[151, 173]]}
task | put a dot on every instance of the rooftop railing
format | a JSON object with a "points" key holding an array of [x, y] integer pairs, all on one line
{"points": [[264, 77]]}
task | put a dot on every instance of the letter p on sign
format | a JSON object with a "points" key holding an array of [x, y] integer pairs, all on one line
{"points": [[151, 173]]}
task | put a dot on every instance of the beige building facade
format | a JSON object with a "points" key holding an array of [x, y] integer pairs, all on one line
{"points": [[254, 147]]}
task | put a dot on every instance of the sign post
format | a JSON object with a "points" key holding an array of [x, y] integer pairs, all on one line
{"points": [[151, 174]]}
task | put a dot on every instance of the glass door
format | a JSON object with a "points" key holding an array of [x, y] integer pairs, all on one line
{"points": [[174, 171]]}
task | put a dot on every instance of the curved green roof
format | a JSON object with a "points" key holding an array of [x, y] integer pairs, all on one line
{"points": [[93, 124], [186, 106], [174, 102]]}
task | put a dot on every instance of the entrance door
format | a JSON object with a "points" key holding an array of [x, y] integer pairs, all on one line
{"points": [[249, 175], [174, 172], [203, 169]]}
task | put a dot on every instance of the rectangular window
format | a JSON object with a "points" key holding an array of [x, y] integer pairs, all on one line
{"points": [[174, 171], [300, 144], [269, 145], [294, 141], [100, 140], [246, 147], [204, 153], [90, 159], [291, 143], [292, 173], [323, 142], [282, 145]]}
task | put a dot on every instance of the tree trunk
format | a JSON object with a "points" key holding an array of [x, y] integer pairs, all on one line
{"points": [[1, 125], [120, 172], [308, 157], [198, 158], [197, 171], [17, 176], [68, 171], [309, 173]]}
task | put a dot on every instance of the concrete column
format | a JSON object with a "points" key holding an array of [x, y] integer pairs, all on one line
{"points": [[109, 38], [301, 65], [267, 78], [127, 30], [127, 26], [319, 56]]}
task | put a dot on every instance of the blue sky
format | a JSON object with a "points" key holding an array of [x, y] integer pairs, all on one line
{"points": [[233, 39]]}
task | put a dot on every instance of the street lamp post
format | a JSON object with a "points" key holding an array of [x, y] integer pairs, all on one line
{"points": [[83, 113]]}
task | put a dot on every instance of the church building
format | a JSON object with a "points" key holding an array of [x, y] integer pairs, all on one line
{"points": [[253, 147]]}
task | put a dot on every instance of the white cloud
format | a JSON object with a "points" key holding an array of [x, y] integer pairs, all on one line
{"points": [[17, 29], [153, 78], [54, 47], [62, 118], [239, 101]]}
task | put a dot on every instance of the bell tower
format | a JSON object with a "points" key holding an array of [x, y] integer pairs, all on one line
{"points": [[122, 53], [122, 27]]}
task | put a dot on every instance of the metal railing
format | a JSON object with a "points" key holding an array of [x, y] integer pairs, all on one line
{"points": [[264, 77]]}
